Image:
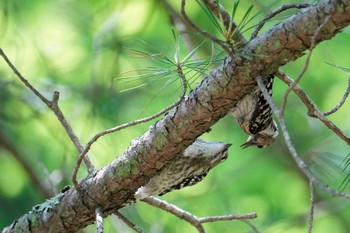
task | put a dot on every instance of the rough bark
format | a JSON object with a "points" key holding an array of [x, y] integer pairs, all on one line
{"points": [[111, 186]]}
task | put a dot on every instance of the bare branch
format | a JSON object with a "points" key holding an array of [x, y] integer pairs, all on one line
{"points": [[24, 80], [192, 219], [312, 206], [306, 64], [342, 101], [313, 110], [127, 222], [53, 105], [99, 220], [273, 14], [56, 109], [126, 125], [180, 213], [227, 217], [301, 164]]}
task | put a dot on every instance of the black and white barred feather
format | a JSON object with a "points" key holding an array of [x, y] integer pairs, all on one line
{"points": [[186, 169], [254, 115]]}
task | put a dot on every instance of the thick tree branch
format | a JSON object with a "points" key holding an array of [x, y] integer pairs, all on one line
{"points": [[113, 185]]}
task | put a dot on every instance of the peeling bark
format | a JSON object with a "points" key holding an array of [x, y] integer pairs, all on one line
{"points": [[111, 186]]}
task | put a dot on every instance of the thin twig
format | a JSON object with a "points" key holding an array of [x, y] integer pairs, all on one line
{"points": [[346, 94], [312, 206], [23, 80], [99, 220], [227, 217], [180, 213], [227, 21], [53, 105], [56, 109], [205, 34], [301, 164], [313, 110], [273, 14], [342, 101], [128, 222], [306, 65], [192, 219], [126, 125]]}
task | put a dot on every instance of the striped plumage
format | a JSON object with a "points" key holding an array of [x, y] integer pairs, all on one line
{"points": [[186, 169], [254, 116]]}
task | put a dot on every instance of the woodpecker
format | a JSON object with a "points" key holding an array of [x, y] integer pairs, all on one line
{"points": [[254, 115], [186, 169]]}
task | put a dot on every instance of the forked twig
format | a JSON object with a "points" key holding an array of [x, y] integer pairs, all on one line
{"points": [[53, 105], [192, 219], [313, 110]]}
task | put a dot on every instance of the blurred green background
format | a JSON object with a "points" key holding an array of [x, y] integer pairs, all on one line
{"points": [[83, 48]]}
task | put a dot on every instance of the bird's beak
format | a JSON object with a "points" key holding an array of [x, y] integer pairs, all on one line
{"points": [[227, 146], [250, 142], [247, 144]]}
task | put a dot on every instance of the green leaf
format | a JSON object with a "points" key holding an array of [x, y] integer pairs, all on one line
{"points": [[210, 15], [192, 52], [346, 165]]}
